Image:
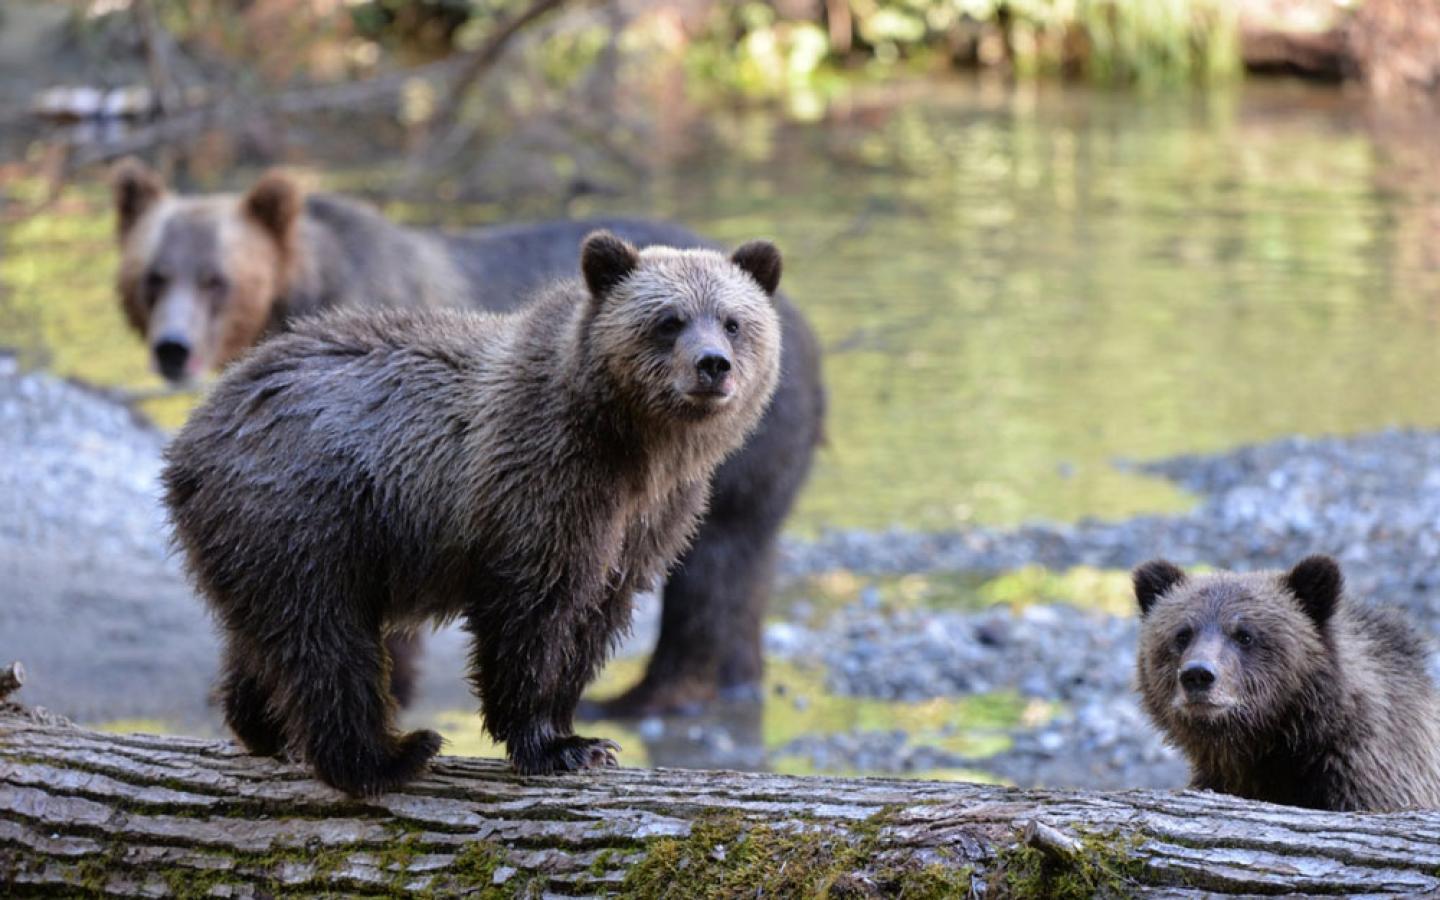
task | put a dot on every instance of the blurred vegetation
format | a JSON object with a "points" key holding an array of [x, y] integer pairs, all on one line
{"points": [[753, 49], [759, 48]]}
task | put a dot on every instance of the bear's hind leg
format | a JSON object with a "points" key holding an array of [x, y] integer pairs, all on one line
{"points": [[339, 712], [246, 702]]}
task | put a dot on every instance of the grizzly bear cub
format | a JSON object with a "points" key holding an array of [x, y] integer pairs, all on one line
{"points": [[1280, 688], [527, 473]]}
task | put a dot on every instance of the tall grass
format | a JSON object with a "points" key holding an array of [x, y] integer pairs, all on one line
{"points": [[1145, 42], [1153, 41]]}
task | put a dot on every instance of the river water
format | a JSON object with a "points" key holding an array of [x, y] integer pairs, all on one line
{"points": [[1015, 288]]}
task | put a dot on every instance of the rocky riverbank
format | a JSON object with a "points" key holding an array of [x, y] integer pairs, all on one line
{"points": [[1373, 501]]}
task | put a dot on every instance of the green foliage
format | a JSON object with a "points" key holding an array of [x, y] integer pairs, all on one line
{"points": [[1150, 41], [750, 51], [753, 50]]}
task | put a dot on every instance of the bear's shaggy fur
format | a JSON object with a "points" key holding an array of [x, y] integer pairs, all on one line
{"points": [[207, 276], [371, 471], [1277, 687]]}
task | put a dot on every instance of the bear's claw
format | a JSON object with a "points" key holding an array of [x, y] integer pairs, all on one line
{"points": [[572, 753]]}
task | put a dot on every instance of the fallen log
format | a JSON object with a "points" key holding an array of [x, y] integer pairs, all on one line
{"points": [[83, 813]]}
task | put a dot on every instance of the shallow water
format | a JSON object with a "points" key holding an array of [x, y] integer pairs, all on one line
{"points": [[1015, 288]]}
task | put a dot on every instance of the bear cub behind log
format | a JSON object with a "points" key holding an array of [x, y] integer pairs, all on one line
{"points": [[1278, 687], [528, 473]]}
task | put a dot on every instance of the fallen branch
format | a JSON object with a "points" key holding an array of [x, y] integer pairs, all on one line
{"points": [[164, 816]]}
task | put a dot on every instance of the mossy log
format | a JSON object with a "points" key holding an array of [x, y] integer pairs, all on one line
{"points": [[83, 813]]}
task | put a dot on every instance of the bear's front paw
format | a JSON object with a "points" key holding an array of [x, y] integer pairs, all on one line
{"points": [[568, 754]]}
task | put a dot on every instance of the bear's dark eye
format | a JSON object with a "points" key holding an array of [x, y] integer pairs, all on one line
{"points": [[1182, 638], [212, 282], [670, 326], [154, 283], [1243, 637], [732, 327]]}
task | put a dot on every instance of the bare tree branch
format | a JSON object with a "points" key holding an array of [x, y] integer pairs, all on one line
{"points": [[482, 58]]}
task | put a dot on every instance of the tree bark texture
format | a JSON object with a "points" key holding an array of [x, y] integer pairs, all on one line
{"points": [[83, 813]]}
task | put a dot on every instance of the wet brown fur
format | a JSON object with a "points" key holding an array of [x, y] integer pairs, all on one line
{"points": [[368, 472], [1317, 700]]}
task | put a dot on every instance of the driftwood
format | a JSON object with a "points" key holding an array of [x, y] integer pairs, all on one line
{"points": [[88, 813]]}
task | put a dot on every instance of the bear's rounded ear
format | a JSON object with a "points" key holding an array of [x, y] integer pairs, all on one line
{"points": [[1317, 583], [1153, 579], [761, 259], [274, 204], [136, 187], [606, 260]]}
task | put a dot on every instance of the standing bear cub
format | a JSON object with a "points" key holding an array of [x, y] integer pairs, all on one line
{"points": [[528, 473], [1280, 688]]}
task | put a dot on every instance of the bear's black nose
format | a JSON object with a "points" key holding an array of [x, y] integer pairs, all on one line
{"points": [[171, 354], [713, 366], [1197, 676]]}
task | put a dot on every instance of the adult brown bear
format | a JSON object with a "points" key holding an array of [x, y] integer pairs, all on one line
{"points": [[205, 277]]}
